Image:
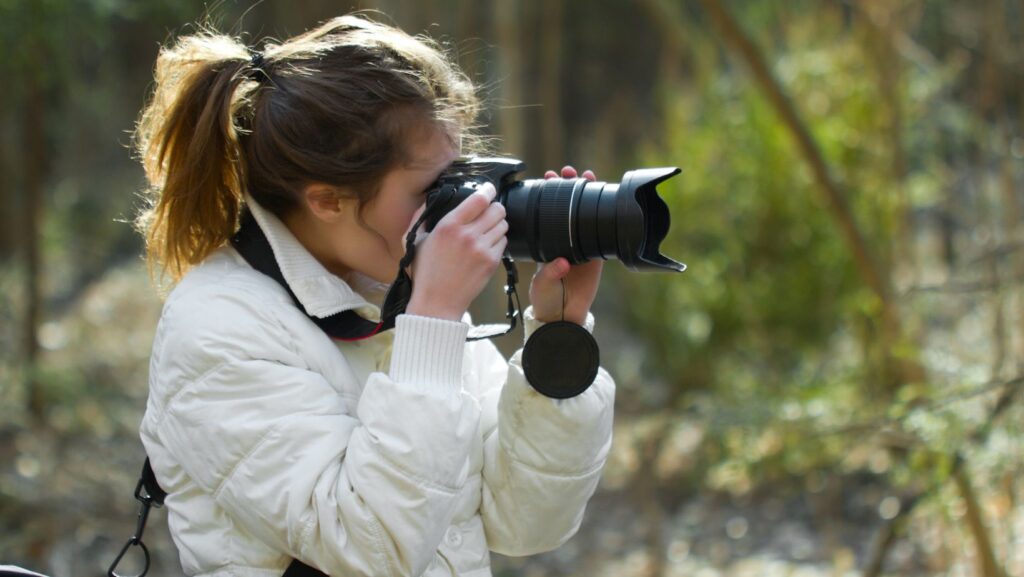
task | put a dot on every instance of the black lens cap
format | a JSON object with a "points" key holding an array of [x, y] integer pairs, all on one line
{"points": [[560, 359]]}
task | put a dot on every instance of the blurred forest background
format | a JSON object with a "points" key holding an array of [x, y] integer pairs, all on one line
{"points": [[830, 389]]}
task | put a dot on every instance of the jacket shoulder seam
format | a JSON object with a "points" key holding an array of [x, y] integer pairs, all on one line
{"points": [[188, 386], [255, 446], [231, 473]]}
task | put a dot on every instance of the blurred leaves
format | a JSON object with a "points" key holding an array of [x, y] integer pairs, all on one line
{"points": [[769, 342]]}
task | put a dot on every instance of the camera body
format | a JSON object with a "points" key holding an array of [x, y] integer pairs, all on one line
{"points": [[566, 217]]}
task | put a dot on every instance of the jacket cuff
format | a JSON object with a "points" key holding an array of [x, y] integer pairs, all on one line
{"points": [[531, 324], [428, 353]]}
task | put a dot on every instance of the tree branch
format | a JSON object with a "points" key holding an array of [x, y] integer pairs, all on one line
{"points": [[835, 198]]}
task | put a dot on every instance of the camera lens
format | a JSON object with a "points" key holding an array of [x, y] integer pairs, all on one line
{"points": [[569, 217], [583, 220]]}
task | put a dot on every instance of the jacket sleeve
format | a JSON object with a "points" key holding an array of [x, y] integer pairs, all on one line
{"points": [[361, 486], [543, 460]]}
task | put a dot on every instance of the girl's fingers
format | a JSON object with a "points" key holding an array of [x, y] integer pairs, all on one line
{"points": [[553, 271], [570, 172], [495, 234], [490, 218], [498, 249], [475, 205]]}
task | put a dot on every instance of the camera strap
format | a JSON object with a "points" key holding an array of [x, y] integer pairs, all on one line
{"points": [[401, 290], [251, 242]]}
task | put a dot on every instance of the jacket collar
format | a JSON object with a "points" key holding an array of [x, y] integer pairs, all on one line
{"points": [[321, 292]]}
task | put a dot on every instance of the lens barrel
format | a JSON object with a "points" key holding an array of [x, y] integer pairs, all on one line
{"points": [[561, 217]]}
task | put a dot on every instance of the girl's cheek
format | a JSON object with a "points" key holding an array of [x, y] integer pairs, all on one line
{"points": [[410, 211]]}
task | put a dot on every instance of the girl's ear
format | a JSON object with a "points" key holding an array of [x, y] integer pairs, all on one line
{"points": [[327, 203]]}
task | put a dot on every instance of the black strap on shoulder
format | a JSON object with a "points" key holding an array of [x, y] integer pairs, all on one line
{"points": [[252, 244], [149, 484], [300, 569]]}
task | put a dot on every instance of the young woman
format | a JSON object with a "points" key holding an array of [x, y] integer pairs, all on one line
{"points": [[411, 452]]}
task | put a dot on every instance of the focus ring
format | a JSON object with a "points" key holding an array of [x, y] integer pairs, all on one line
{"points": [[554, 229]]}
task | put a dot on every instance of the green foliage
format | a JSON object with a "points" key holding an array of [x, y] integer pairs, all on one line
{"points": [[769, 277], [770, 336]]}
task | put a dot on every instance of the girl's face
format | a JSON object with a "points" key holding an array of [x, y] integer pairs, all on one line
{"points": [[373, 242]]}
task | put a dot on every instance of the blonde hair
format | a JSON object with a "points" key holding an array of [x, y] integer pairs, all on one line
{"points": [[333, 105]]}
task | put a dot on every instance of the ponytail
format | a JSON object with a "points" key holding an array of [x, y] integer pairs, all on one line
{"points": [[188, 143], [337, 107]]}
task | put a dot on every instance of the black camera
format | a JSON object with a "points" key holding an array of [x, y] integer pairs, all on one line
{"points": [[567, 217]]}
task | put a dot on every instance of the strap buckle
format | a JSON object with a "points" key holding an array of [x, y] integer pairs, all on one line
{"points": [[149, 494]]}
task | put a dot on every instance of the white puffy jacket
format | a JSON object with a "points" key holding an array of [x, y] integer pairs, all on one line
{"points": [[409, 453]]}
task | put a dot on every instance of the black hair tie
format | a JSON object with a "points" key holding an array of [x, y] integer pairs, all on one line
{"points": [[256, 62]]}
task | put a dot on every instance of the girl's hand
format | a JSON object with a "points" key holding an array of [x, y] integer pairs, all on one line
{"points": [[456, 260], [580, 280]]}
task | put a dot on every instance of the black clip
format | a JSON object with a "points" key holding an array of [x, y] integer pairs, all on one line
{"points": [[150, 495], [511, 274], [512, 278]]}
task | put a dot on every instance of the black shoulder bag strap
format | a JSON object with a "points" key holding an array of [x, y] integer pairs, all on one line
{"points": [[149, 493]]}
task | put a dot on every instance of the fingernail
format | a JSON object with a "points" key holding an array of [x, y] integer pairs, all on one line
{"points": [[488, 190]]}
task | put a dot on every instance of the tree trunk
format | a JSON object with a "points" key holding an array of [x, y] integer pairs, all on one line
{"points": [[552, 123], [987, 565], [1010, 186], [991, 91], [35, 165], [1020, 77], [468, 25], [883, 540], [8, 186], [507, 27], [1011, 337], [884, 23]]}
